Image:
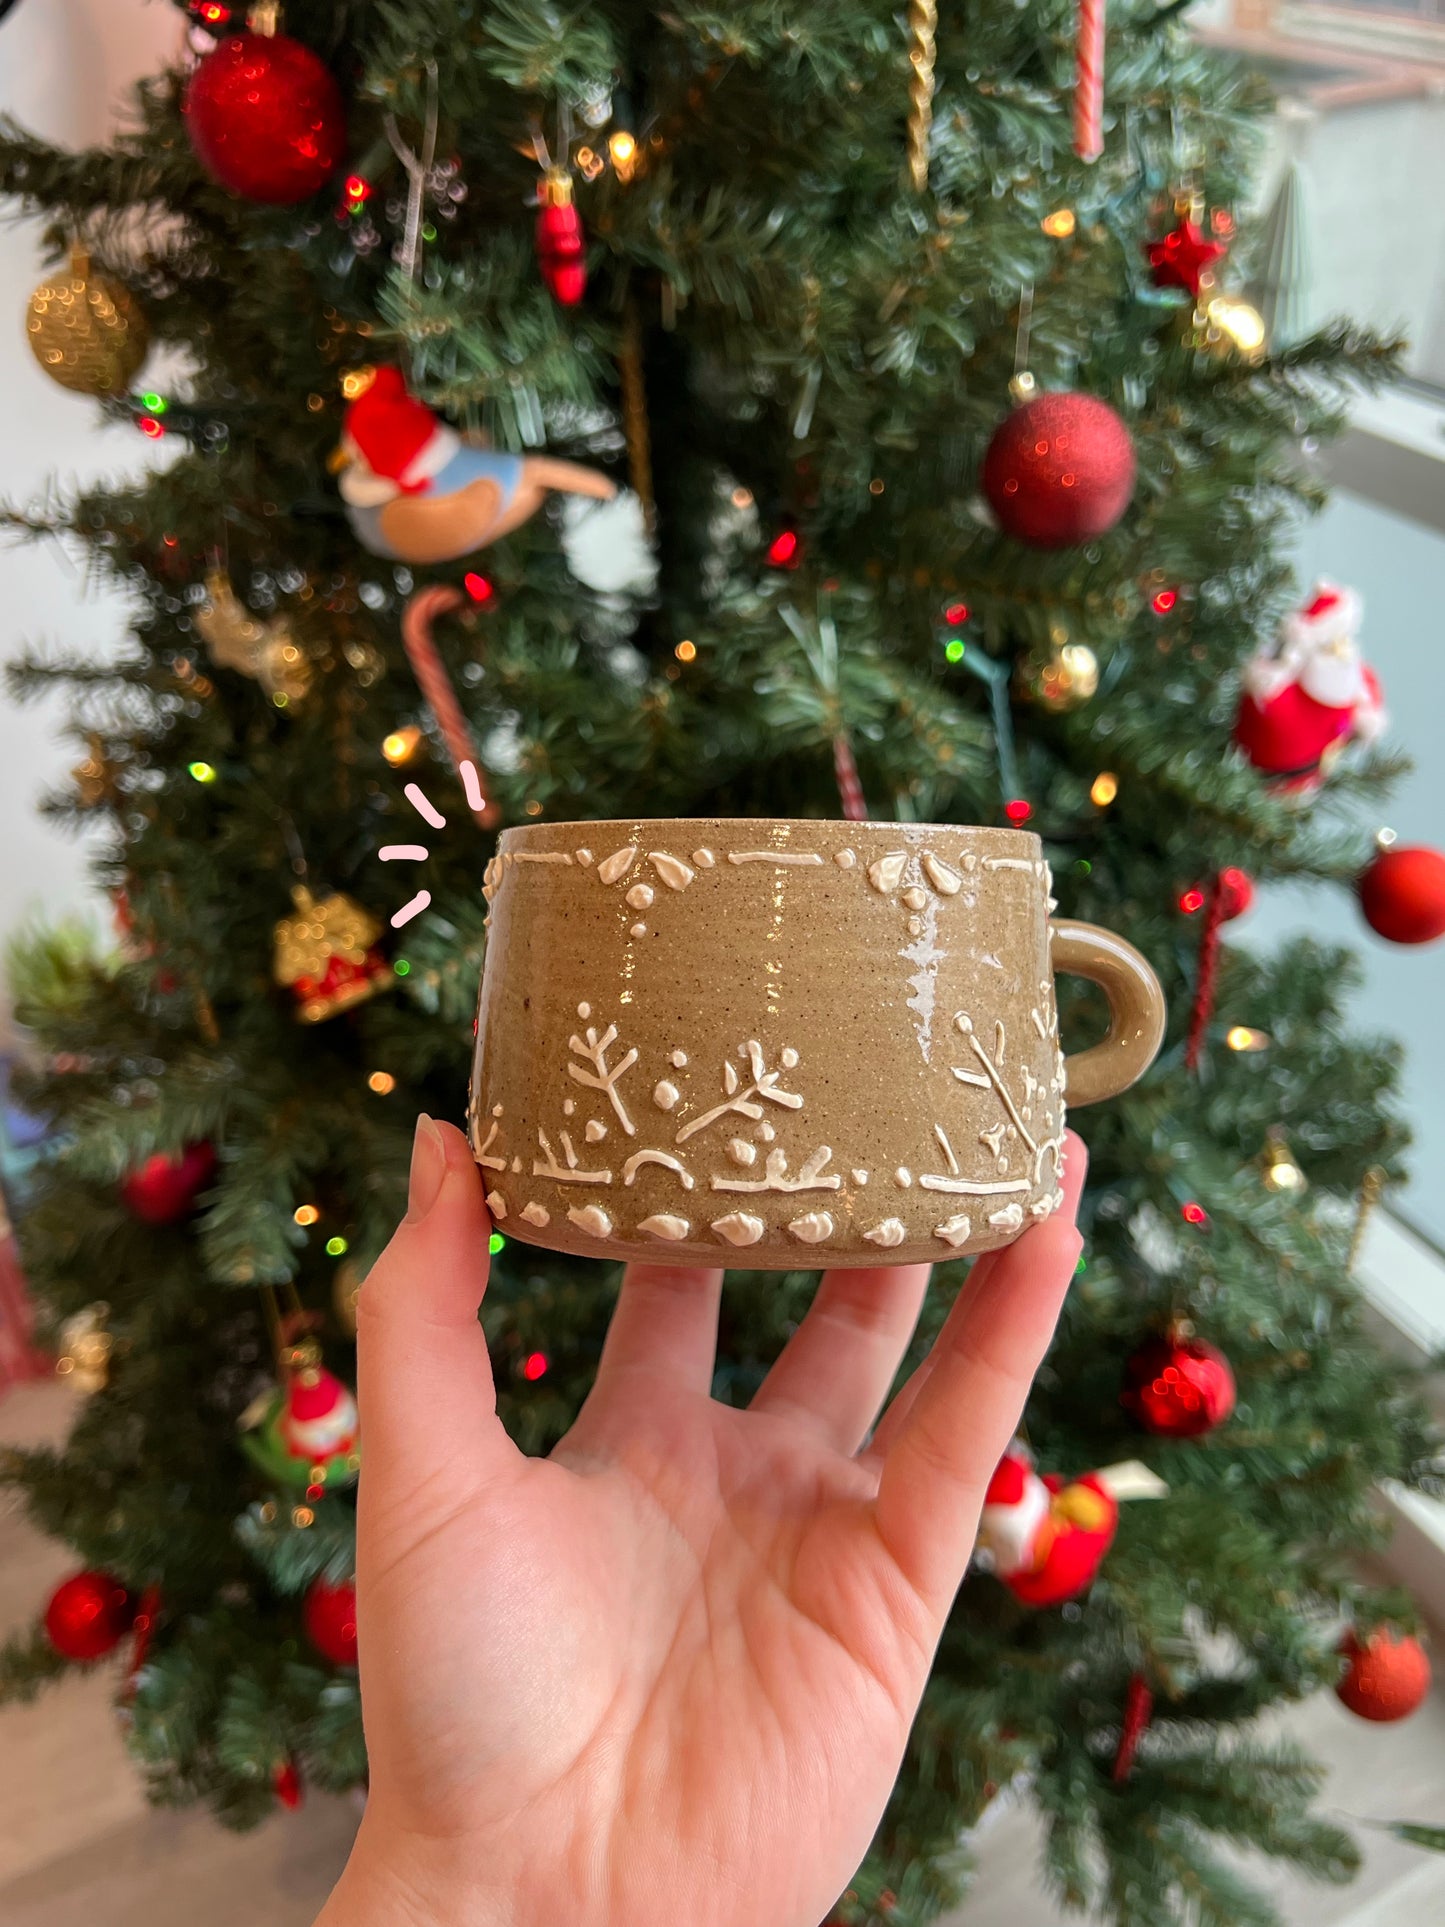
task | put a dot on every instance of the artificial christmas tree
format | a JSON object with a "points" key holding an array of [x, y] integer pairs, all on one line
{"points": [[803, 274]]}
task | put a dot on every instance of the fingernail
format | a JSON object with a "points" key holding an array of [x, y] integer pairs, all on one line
{"points": [[428, 1168]]}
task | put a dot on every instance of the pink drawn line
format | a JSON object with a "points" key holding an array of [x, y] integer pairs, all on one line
{"points": [[404, 853], [409, 910], [476, 802], [428, 812]]}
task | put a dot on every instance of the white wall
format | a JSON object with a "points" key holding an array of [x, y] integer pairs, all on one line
{"points": [[63, 67]]}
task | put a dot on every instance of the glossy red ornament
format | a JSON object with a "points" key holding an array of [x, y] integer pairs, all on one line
{"points": [[1386, 1676], [1178, 1388], [266, 118], [328, 1614], [1236, 893], [164, 1189], [561, 245], [1183, 257], [89, 1615], [1402, 894], [1059, 471]]}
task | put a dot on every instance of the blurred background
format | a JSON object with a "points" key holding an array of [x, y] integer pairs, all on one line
{"points": [[1355, 161]]}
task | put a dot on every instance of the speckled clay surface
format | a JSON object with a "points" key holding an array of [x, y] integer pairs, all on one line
{"points": [[782, 1044]]}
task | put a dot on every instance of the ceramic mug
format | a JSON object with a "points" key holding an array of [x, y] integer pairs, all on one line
{"points": [[784, 1043]]}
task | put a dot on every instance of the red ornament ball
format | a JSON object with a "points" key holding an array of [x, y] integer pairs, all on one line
{"points": [[1236, 893], [266, 118], [88, 1615], [1059, 471], [1178, 1388], [1386, 1676], [1402, 894], [329, 1616], [164, 1189]]}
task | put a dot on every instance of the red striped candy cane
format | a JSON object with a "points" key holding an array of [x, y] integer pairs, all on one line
{"points": [[1089, 82], [850, 789], [421, 611]]}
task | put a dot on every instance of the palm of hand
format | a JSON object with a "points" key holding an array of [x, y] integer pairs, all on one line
{"points": [[669, 1672]]}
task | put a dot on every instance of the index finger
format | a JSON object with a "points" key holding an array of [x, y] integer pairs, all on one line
{"points": [[937, 1467]]}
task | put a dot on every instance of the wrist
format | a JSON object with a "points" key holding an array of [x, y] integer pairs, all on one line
{"points": [[392, 1880]]}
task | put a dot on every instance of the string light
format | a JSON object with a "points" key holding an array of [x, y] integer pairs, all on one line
{"points": [[1060, 224], [742, 498], [1104, 788], [401, 967], [202, 772], [954, 649], [1241, 1037], [382, 1082], [784, 549], [496, 1243], [335, 1247], [1191, 900], [1165, 601], [1281, 1173], [154, 404], [306, 1213], [622, 146], [1193, 1213], [686, 651], [357, 189], [478, 587], [956, 614], [1017, 810], [534, 1365], [148, 425], [401, 745], [876, 486]]}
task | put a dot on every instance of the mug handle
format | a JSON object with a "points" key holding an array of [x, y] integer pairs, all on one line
{"points": [[1136, 1010]]}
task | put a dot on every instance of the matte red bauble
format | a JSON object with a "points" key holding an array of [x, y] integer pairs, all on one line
{"points": [[1059, 471], [561, 248], [164, 1189], [329, 1616], [1386, 1676], [88, 1615], [1236, 893], [1178, 1388], [266, 118], [1402, 894]]}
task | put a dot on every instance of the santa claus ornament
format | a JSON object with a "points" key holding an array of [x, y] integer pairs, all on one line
{"points": [[305, 1431], [1045, 1537], [1310, 695], [1386, 1676], [416, 492]]}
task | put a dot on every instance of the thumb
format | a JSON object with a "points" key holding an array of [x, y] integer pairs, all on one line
{"points": [[424, 1380]]}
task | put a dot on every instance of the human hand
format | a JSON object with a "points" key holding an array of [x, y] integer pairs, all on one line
{"points": [[666, 1674]]}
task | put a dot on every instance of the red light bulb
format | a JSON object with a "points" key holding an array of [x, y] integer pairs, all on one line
{"points": [[1018, 810], [1191, 900], [534, 1365], [478, 587], [1165, 601], [785, 549], [956, 614], [1193, 1213]]}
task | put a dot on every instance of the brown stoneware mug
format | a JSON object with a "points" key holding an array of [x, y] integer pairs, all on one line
{"points": [[784, 1043]]}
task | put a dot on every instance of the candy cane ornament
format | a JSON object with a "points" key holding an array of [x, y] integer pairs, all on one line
{"points": [[422, 610], [1089, 82]]}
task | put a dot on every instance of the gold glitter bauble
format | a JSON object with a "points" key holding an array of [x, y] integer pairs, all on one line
{"points": [[236, 639], [87, 332], [1065, 680]]}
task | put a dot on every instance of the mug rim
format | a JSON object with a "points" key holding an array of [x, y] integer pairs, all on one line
{"points": [[870, 825]]}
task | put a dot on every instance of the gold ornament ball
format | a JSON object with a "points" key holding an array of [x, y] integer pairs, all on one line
{"points": [[1066, 680], [87, 332]]}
